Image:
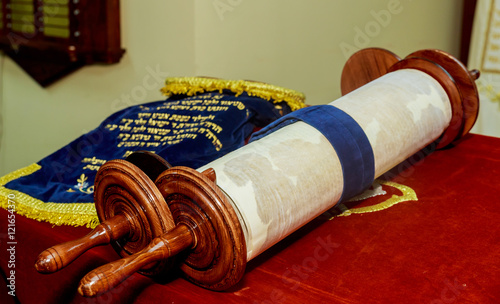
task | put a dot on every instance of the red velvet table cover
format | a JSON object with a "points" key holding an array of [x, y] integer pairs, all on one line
{"points": [[443, 247]]}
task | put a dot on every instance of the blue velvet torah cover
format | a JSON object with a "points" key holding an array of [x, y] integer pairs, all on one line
{"points": [[347, 138], [185, 130]]}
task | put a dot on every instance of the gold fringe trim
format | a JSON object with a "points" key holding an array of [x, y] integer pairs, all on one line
{"points": [[72, 214], [194, 85], [408, 195]]}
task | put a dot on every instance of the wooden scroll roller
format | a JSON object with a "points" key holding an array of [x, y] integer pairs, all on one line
{"points": [[211, 221]]}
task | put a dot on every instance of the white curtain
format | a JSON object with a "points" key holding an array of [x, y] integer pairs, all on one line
{"points": [[484, 55]]}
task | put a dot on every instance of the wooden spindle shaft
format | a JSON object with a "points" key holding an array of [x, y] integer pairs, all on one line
{"points": [[57, 257], [474, 74], [210, 173], [110, 275]]}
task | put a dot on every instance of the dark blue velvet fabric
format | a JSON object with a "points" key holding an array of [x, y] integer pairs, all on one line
{"points": [[346, 137], [187, 131]]}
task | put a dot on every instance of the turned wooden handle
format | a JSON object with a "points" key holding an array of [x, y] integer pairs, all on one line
{"points": [[110, 275], [57, 257]]}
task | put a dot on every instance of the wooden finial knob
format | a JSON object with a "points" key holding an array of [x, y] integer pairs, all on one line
{"points": [[474, 74], [57, 257]]}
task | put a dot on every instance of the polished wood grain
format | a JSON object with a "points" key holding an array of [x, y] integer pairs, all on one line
{"points": [[443, 223], [57, 257], [184, 211], [210, 173], [217, 260], [131, 210], [205, 224], [365, 66], [458, 82], [104, 278], [123, 188]]}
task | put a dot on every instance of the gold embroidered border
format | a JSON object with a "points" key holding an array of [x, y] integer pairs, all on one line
{"points": [[194, 85], [408, 195], [72, 214]]}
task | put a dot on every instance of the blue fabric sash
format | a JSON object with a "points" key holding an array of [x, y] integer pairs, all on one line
{"points": [[346, 137]]}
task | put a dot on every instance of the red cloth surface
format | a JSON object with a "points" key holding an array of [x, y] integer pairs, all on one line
{"points": [[442, 248]]}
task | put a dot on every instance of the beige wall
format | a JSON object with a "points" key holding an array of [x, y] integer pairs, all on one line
{"points": [[293, 43]]}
